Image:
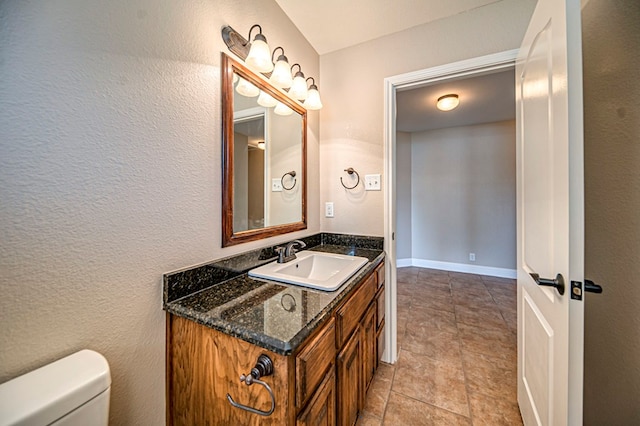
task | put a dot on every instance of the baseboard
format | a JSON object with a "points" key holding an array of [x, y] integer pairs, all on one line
{"points": [[458, 267]]}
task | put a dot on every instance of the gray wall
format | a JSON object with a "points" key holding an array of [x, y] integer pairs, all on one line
{"points": [[611, 56], [403, 195], [463, 194], [110, 175]]}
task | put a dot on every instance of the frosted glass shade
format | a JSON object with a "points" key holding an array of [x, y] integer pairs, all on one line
{"points": [[266, 100], [299, 87], [313, 99], [281, 76], [447, 102], [282, 109], [247, 89], [259, 57]]}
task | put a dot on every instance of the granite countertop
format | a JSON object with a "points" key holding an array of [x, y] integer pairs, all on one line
{"points": [[272, 315]]}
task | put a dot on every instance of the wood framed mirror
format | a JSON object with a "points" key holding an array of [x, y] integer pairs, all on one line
{"points": [[264, 162]]}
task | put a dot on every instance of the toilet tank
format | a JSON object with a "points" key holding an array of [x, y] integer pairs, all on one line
{"points": [[71, 391]]}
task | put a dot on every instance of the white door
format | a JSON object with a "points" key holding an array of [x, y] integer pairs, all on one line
{"points": [[550, 215]]}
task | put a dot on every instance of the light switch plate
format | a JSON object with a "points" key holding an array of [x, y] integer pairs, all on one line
{"points": [[328, 209], [276, 185], [372, 182]]}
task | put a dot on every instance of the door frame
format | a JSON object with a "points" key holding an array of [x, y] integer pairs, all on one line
{"points": [[466, 68]]}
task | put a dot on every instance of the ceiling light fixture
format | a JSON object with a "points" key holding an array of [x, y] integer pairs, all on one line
{"points": [[447, 102], [261, 145]]}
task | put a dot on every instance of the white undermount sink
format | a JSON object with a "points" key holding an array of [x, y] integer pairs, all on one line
{"points": [[313, 269]]}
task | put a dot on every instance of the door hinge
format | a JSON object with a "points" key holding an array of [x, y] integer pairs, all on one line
{"points": [[576, 290]]}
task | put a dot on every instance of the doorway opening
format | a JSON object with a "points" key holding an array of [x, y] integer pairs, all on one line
{"points": [[476, 67]]}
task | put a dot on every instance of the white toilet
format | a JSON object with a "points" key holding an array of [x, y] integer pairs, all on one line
{"points": [[73, 391]]}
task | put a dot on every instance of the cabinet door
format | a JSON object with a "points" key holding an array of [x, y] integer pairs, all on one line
{"points": [[321, 410], [368, 331], [349, 381]]}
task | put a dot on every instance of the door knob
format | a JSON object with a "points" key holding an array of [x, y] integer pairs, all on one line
{"points": [[558, 282], [592, 287]]}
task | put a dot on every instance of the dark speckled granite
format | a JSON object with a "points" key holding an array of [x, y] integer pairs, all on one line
{"points": [[275, 316]]}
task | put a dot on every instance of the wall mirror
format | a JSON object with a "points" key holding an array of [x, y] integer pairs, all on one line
{"points": [[264, 184]]}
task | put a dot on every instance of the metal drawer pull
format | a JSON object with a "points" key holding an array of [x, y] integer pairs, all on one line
{"points": [[558, 282], [264, 367]]}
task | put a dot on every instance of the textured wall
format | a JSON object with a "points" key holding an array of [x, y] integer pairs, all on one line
{"points": [[463, 194], [611, 57], [110, 172], [352, 89]]}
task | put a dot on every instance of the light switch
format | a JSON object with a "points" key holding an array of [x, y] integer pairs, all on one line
{"points": [[372, 182], [328, 209], [276, 185]]}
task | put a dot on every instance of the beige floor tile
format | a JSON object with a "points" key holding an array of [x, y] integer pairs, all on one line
{"points": [[494, 342], [490, 375], [474, 300], [480, 316], [439, 302], [425, 340], [433, 318], [461, 276], [378, 393], [439, 382], [366, 419], [488, 411], [405, 411]]}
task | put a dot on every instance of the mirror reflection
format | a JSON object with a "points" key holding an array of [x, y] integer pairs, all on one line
{"points": [[265, 167]]}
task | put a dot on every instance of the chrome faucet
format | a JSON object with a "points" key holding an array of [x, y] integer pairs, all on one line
{"points": [[288, 253]]}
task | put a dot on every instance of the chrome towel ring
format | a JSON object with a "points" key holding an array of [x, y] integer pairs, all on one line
{"points": [[351, 171], [292, 173]]}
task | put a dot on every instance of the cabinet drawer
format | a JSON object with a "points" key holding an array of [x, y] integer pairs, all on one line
{"points": [[349, 314], [313, 362], [380, 305], [380, 274], [321, 410]]}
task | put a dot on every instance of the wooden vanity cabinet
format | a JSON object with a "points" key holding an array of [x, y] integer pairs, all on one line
{"points": [[324, 382]]}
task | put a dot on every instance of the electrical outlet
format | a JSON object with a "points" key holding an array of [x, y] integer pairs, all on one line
{"points": [[328, 209], [372, 182], [472, 257], [276, 185]]}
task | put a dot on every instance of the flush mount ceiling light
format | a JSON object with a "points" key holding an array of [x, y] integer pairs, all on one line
{"points": [[313, 96], [447, 102], [261, 145], [256, 56]]}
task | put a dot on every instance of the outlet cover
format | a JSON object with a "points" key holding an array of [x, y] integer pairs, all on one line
{"points": [[276, 185], [328, 209], [472, 257], [372, 182]]}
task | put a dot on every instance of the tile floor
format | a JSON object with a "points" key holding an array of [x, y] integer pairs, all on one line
{"points": [[457, 353]]}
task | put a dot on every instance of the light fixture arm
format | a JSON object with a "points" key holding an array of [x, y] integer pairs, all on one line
{"points": [[299, 69], [274, 54], [251, 29], [313, 83]]}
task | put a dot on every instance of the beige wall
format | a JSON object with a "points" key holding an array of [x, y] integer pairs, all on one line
{"points": [[110, 171], [463, 195], [352, 89], [404, 236], [611, 36]]}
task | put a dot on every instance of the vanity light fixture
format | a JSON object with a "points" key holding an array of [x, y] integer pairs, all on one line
{"points": [[282, 109], [256, 55], [266, 100], [447, 102], [313, 96], [247, 89], [281, 75], [299, 85], [259, 57]]}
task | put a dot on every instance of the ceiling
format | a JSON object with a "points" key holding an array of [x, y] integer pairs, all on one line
{"points": [[484, 99], [356, 21]]}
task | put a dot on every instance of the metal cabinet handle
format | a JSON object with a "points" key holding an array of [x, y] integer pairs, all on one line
{"points": [[263, 367], [558, 282]]}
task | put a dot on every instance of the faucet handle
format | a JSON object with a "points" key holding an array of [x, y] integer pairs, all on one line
{"points": [[281, 253]]}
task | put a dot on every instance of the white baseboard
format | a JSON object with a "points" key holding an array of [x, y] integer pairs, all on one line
{"points": [[458, 267]]}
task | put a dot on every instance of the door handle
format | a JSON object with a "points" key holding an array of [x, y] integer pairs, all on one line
{"points": [[592, 287], [558, 282]]}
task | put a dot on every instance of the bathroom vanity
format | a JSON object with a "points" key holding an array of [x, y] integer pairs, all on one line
{"points": [[312, 353]]}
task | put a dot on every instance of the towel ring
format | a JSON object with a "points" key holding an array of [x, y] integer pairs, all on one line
{"points": [[350, 171], [293, 175]]}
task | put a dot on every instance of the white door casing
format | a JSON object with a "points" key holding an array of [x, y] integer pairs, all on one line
{"points": [[550, 223]]}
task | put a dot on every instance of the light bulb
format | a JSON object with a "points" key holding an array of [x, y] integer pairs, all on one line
{"points": [[313, 98], [259, 57], [281, 76], [299, 87]]}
